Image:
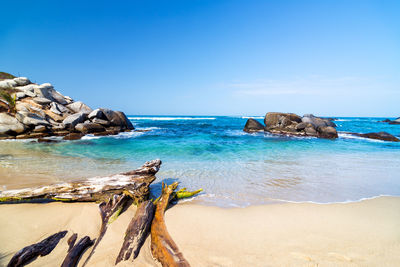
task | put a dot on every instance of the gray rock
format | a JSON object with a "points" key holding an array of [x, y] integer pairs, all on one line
{"points": [[21, 106], [97, 113], [302, 125], [310, 131], [22, 81], [31, 119], [58, 108], [89, 127], [384, 136], [5, 84], [112, 117], [100, 121], [126, 123], [72, 120], [40, 129], [46, 90], [317, 121], [20, 95], [280, 120], [78, 106], [42, 100], [327, 132], [10, 125], [253, 125]]}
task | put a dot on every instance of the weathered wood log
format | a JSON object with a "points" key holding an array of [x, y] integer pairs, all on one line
{"points": [[30, 253], [163, 247], [109, 212], [134, 183], [71, 241], [137, 231], [75, 253]]}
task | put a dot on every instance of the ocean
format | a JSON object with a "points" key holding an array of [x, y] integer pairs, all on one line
{"points": [[234, 168]]}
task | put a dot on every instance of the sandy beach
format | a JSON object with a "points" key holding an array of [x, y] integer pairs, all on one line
{"points": [[365, 233]]}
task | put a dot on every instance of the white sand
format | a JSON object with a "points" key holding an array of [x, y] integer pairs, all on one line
{"points": [[365, 233]]}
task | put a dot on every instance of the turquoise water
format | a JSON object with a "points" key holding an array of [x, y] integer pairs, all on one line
{"points": [[234, 168]]}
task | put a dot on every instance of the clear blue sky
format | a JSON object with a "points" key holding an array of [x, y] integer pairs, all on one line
{"points": [[336, 58]]}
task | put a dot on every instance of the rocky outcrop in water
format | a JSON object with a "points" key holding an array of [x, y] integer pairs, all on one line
{"points": [[294, 125], [396, 121], [384, 136], [30, 110], [253, 125]]}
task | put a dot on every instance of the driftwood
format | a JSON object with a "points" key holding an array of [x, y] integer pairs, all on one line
{"points": [[75, 253], [137, 231], [163, 247], [109, 212], [134, 183], [71, 241], [30, 253]]}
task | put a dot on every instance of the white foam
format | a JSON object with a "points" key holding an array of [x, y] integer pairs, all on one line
{"points": [[254, 117], [170, 118], [333, 202], [350, 136]]}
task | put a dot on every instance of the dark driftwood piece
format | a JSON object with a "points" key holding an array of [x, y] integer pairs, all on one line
{"points": [[137, 231], [134, 183], [30, 253], [71, 241], [163, 247], [109, 211], [75, 253]]}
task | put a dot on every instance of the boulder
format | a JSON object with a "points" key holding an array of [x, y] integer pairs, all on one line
{"points": [[97, 113], [9, 125], [327, 132], [9, 83], [302, 125], [89, 127], [253, 125], [280, 120], [384, 136], [31, 119], [80, 107], [22, 81], [112, 117], [100, 121], [310, 131], [72, 120], [20, 95], [316, 121], [126, 123], [42, 100], [46, 90], [73, 136], [40, 129]]}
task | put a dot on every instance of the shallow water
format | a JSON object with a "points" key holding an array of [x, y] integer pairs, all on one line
{"points": [[234, 168]]}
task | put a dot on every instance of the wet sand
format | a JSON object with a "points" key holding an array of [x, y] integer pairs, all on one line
{"points": [[365, 233]]}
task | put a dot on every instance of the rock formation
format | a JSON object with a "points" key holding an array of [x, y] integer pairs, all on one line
{"points": [[384, 136], [396, 121], [30, 110], [253, 125], [294, 125]]}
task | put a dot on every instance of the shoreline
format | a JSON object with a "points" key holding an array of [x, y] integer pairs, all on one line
{"points": [[281, 234]]}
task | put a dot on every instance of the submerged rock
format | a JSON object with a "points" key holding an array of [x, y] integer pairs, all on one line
{"points": [[384, 136], [253, 125]]}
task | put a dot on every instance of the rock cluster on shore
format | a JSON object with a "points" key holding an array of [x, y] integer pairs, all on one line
{"points": [[37, 110], [294, 125]]}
